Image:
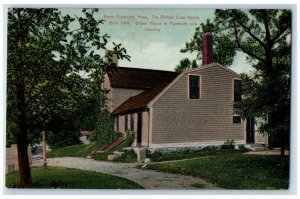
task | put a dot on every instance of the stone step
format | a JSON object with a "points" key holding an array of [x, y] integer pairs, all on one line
{"points": [[255, 147]]}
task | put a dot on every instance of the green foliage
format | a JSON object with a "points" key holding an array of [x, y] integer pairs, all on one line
{"points": [[104, 133], [252, 172], [158, 156], [65, 178], [263, 36], [46, 52], [228, 144], [80, 150], [61, 139]]}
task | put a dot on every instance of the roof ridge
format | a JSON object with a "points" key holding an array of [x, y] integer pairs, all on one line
{"points": [[148, 69]]}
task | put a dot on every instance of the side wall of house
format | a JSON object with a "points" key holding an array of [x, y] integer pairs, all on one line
{"points": [[182, 121]]}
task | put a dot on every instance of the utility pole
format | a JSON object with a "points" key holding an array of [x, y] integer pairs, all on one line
{"points": [[44, 148]]}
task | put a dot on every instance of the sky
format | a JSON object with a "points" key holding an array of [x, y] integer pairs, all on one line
{"points": [[159, 47]]}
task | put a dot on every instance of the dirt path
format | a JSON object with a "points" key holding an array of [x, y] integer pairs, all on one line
{"points": [[146, 178]]}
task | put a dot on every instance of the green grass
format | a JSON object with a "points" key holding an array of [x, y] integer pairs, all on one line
{"points": [[83, 150], [80, 150], [58, 177], [126, 158], [258, 172], [188, 154]]}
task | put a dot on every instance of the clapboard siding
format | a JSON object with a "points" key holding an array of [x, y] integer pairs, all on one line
{"points": [[177, 119]]}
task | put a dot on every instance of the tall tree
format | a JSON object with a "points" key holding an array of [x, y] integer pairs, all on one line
{"points": [[263, 36], [45, 48]]}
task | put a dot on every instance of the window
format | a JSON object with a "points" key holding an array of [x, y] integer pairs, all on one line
{"points": [[132, 122], [194, 87], [117, 124], [236, 119], [126, 122], [237, 90]]}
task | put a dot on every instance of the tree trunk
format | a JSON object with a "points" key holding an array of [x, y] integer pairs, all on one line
{"points": [[22, 140], [24, 168], [282, 143]]}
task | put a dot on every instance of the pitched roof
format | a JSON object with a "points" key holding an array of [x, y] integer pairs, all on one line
{"points": [[140, 78], [147, 98], [138, 102]]}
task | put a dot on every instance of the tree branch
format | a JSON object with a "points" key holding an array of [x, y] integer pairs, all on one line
{"points": [[280, 35], [266, 24], [248, 30], [244, 49]]}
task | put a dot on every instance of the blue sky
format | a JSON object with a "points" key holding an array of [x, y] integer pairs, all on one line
{"points": [[153, 49]]}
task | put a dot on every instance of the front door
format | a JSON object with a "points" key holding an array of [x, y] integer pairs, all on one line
{"points": [[250, 130], [139, 129]]}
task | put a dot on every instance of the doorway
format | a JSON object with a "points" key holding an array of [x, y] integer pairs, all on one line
{"points": [[250, 130]]}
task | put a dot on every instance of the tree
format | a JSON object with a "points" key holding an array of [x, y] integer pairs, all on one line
{"points": [[45, 50], [262, 35], [224, 48]]}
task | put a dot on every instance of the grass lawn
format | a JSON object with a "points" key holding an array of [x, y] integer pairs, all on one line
{"points": [[83, 150], [80, 150], [234, 171], [58, 177]]}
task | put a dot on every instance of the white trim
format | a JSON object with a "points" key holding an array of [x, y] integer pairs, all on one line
{"points": [[194, 144], [186, 72]]}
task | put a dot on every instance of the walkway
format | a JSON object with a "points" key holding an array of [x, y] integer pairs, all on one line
{"points": [[146, 178]]}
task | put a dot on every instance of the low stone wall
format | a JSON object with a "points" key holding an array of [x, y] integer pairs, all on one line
{"points": [[12, 158]]}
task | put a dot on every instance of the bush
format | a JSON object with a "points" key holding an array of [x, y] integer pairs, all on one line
{"points": [[228, 144], [57, 140], [104, 133], [156, 156]]}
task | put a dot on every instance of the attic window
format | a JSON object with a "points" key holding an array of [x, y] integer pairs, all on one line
{"points": [[194, 87]]}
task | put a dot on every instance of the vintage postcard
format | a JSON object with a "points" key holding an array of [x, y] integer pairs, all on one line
{"points": [[148, 98]]}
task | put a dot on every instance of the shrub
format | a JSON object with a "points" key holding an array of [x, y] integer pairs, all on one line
{"points": [[156, 156], [228, 144], [104, 133], [61, 139]]}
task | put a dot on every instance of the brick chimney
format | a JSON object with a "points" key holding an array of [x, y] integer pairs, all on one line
{"points": [[207, 48]]}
